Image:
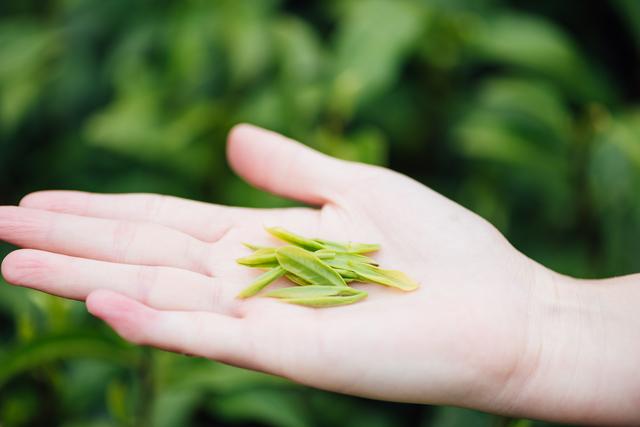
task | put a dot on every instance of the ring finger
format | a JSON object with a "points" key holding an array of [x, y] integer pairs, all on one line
{"points": [[164, 288]]}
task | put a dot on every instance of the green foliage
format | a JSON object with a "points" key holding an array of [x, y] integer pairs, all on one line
{"points": [[522, 111]]}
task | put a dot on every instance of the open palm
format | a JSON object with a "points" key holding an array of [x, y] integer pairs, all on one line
{"points": [[161, 272]]}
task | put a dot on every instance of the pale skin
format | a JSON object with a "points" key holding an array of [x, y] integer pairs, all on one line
{"points": [[489, 328]]}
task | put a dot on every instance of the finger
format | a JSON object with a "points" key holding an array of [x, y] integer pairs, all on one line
{"points": [[103, 239], [203, 221], [163, 288], [282, 166], [211, 335]]}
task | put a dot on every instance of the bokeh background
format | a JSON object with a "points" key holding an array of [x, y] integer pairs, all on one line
{"points": [[525, 111]]}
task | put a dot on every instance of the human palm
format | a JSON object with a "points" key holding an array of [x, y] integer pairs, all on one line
{"points": [[161, 272]]}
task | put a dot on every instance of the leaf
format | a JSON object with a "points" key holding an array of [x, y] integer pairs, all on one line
{"points": [[350, 247], [447, 416], [343, 260], [174, 407], [346, 274], [261, 282], [531, 105], [536, 44], [268, 407], [629, 10], [391, 278], [260, 256], [299, 50], [307, 266], [246, 38], [312, 291], [206, 377], [28, 50], [330, 301], [61, 347], [294, 239], [254, 247], [297, 280], [372, 39]]}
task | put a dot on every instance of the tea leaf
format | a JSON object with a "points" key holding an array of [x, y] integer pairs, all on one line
{"points": [[363, 248], [307, 266], [265, 265], [254, 247], [343, 260], [297, 280], [261, 256], [325, 254], [346, 274], [392, 278], [262, 281], [349, 247], [329, 301], [312, 291], [294, 239]]}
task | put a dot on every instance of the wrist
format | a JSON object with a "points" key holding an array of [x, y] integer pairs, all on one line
{"points": [[581, 357]]}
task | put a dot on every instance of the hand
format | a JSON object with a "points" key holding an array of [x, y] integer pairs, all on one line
{"points": [[161, 272]]}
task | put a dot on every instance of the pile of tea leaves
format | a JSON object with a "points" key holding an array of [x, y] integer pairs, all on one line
{"points": [[320, 270]]}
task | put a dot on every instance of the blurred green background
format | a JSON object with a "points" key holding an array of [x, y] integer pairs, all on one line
{"points": [[526, 112]]}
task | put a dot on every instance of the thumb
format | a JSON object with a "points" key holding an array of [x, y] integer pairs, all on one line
{"points": [[288, 168]]}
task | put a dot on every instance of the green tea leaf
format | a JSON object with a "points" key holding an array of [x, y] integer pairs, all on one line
{"points": [[265, 265], [346, 274], [343, 260], [260, 256], [307, 266], [392, 278], [329, 301], [363, 248], [325, 254], [294, 239], [297, 280], [313, 291], [349, 247], [262, 281], [254, 247]]}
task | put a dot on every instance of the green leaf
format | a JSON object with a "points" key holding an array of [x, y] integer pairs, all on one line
{"points": [[174, 407], [350, 247], [447, 416], [259, 257], [629, 11], [28, 51], [372, 39], [206, 376], [328, 301], [271, 407], [312, 291], [28, 356], [246, 37], [297, 280], [307, 266], [391, 278], [343, 260], [254, 247], [535, 44], [299, 50], [294, 239], [262, 282]]}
